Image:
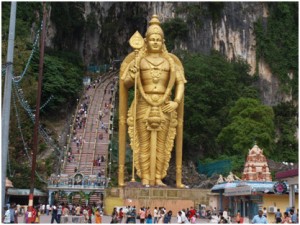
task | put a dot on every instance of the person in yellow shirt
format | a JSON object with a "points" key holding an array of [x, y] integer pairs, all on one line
{"points": [[98, 218]]}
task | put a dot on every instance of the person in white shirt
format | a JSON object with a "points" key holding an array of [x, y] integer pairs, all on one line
{"points": [[6, 215], [225, 214], [155, 215], [179, 214], [47, 209], [184, 219]]}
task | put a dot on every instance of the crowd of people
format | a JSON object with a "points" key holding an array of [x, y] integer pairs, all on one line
{"points": [[289, 216], [59, 213], [159, 215]]}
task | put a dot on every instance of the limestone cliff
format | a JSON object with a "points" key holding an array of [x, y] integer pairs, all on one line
{"points": [[227, 27]]}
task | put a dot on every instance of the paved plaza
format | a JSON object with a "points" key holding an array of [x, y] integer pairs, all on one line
{"points": [[105, 219]]}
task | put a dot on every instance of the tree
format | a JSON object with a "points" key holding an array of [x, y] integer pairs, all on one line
{"points": [[63, 80], [286, 120], [250, 122], [213, 85]]}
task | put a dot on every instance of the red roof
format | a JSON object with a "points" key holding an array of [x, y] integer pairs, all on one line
{"points": [[286, 174]]}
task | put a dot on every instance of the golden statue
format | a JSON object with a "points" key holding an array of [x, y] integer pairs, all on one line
{"points": [[153, 119]]}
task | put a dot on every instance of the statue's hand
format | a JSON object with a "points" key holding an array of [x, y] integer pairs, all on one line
{"points": [[133, 70], [170, 106]]}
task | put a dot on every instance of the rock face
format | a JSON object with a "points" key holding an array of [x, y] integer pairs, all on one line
{"points": [[190, 176], [227, 27]]}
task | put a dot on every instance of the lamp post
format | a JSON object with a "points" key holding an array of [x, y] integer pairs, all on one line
{"points": [[37, 114]]}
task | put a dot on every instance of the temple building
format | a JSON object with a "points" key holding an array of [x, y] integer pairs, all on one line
{"points": [[256, 166], [256, 190]]}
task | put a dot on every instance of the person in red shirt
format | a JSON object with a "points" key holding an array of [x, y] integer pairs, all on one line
{"points": [[33, 216], [120, 215], [90, 214], [192, 212]]}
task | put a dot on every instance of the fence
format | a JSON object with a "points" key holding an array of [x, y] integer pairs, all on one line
{"points": [[219, 167]]}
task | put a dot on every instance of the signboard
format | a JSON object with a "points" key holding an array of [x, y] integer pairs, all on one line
{"points": [[243, 190], [280, 187]]}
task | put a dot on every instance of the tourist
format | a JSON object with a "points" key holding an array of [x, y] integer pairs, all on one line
{"points": [[193, 219], [85, 214], [161, 216], [265, 212], [38, 215], [65, 214], [259, 218], [147, 211], [47, 209], [54, 214], [179, 218], [184, 219], [192, 212], [238, 217], [142, 215], [286, 218], [16, 214], [225, 214], [12, 213], [114, 216], [223, 220], [33, 215], [278, 216], [215, 211], [155, 215], [26, 216], [293, 216], [77, 210], [98, 218], [6, 215], [149, 218], [59, 213], [120, 215], [168, 217]]}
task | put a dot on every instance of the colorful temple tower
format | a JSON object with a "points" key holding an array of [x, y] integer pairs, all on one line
{"points": [[256, 167]]}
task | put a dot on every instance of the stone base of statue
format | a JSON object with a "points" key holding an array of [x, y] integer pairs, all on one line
{"points": [[175, 199]]}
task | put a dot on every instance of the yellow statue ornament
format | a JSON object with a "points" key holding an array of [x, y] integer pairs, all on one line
{"points": [[153, 119]]}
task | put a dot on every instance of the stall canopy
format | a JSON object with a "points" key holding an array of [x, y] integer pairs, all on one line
{"points": [[24, 192]]}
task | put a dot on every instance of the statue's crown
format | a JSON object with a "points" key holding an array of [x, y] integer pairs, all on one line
{"points": [[154, 27]]}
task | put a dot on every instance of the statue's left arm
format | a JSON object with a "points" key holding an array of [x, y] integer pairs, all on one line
{"points": [[179, 89]]}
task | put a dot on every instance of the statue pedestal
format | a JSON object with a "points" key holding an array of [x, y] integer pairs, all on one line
{"points": [[175, 199]]}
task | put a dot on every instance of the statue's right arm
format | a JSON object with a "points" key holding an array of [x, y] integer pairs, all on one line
{"points": [[129, 75]]}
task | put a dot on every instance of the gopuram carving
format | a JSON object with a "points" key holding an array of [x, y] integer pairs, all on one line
{"points": [[154, 118], [256, 167]]}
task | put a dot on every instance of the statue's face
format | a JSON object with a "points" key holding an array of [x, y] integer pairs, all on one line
{"points": [[154, 43]]}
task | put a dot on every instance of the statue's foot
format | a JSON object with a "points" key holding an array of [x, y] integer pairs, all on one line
{"points": [[158, 182], [181, 185], [145, 182]]}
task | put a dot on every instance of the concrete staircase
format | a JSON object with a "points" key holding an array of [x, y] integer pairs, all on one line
{"points": [[91, 146]]}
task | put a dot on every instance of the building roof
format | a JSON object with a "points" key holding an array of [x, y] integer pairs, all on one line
{"points": [[8, 183], [24, 192], [287, 174], [258, 186]]}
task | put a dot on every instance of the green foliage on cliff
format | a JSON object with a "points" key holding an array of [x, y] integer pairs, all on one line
{"points": [[277, 43], [286, 121], [214, 85], [249, 122], [175, 30], [63, 80]]}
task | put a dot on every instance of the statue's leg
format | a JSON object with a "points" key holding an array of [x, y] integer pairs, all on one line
{"points": [[144, 151], [163, 155]]}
